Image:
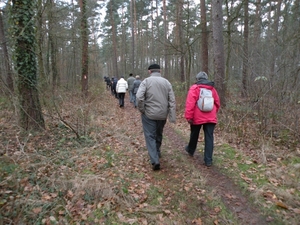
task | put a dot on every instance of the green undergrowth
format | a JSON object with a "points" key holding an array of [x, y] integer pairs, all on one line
{"points": [[35, 180], [104, 177], [193, 194], [272, 186], [67, 181]]}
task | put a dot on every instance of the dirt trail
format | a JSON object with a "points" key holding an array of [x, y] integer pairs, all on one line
{"points": [[224, 186], [230, 194]]}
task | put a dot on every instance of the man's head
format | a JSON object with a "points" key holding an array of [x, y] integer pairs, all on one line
{"points": [[137, 77], [154, 68], [201, 75], [130, 74]]}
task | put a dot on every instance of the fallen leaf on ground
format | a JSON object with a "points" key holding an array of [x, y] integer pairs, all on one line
{"points": [[197, 221], [37, 210], [282, 205]]}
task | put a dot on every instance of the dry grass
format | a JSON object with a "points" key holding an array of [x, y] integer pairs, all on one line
{"points": [[105, 177]]}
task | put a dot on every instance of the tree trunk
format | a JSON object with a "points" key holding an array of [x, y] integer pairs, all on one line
{"points": [[85, 42], [114, 38], [158, 33], [245, 50], [257, 22], [39, 38], [123, 48], [74, 62], [218, 46], [153, 48], [274, 39], [228, 55], [9, 74], [204, 40], [25, 63], [52, 43], [180, 40], [255, 43], [132, 14], [166, 54]]}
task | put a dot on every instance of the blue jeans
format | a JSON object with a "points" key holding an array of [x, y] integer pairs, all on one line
{"points": [[153, 132], [134, 100], [131, 95], [208, 129]]}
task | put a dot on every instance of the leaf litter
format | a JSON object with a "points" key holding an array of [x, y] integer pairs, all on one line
{"points": [[107, 179]]}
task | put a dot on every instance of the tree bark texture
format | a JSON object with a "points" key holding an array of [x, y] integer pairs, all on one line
{"points": [[218, 46], [85, 43], [114, 38], [39, 38], [132, 14], [52, 43], [25, 64], [9, 73], [274, 38], [166, 54], [180, 40], [255, 43], [204, 39], [245, 50]]}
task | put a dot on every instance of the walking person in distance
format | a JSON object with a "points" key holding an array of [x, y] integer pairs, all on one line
{"points": [[121, 89], [136, 85], [130, 81], [114, 86], [198, 118], [156, 102]]}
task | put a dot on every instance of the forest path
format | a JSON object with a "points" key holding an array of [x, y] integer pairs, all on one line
{"points": [[223, 186], [172, 148]]}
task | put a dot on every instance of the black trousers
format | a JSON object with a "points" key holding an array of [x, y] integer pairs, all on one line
{"points": [[208, 129], [121, 99]]}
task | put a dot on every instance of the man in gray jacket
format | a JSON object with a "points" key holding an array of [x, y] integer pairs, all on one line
{"points": [[130, 81], [156, 101]]}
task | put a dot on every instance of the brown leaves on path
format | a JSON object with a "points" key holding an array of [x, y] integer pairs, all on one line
{"points": [[177, 173], [106, 178]]}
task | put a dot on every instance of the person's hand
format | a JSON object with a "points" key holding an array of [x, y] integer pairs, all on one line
{"points": [[172, 121], [190, 122]]}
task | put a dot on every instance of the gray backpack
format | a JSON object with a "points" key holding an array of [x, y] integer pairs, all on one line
{"points": [[206, 100]]}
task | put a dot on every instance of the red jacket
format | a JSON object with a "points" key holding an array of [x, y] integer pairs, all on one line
{"points": [[192, 112]]}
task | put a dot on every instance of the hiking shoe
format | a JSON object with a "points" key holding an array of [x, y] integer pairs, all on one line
{"points": [[207, 164], [159, 154], [187, 150], [156, 166]]}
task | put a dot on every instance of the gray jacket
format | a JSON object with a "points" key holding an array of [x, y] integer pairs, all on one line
{"points": [[130, 81], [155, 98]]}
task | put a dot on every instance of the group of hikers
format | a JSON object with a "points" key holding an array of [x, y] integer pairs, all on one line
{"points": [[155, 99], [119, 87]]}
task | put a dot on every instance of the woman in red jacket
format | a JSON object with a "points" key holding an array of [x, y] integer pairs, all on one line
{"points": [[197, 118]]}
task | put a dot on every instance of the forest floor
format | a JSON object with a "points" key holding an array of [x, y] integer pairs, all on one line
{"points": [[105, 177]]}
